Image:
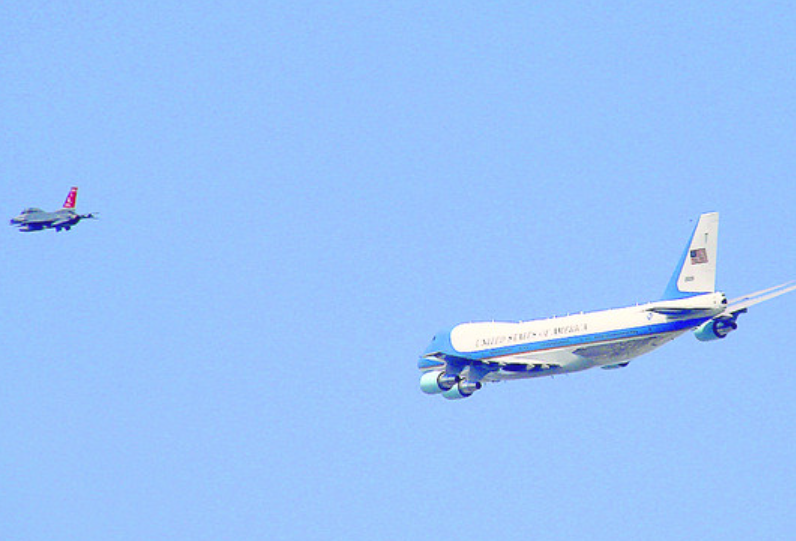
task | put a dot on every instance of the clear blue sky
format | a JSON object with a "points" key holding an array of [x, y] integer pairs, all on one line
{"points": [[295, 196]]}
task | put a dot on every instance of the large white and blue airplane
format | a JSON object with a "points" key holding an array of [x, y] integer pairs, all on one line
{"points": [[461, 359]]}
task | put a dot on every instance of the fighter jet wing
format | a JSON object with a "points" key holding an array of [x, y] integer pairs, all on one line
{"points": [[60, 221], [42, 219]]}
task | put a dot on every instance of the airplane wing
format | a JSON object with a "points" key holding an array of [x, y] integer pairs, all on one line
{"points": [[42, 220], [32, 227], [515, 365], [439, 359], [679, 312], [741, 304], [60, 221], [623, 349], [526, 366]]}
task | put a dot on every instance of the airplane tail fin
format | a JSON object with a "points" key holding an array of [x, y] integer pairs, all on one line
{"points": [[695, 274], [71, 198]]}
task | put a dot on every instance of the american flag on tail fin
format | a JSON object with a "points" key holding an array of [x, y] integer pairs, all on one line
{"points": [[699, 256]]}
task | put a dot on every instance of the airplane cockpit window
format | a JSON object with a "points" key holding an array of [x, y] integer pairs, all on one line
{"points": [[31, 209]]}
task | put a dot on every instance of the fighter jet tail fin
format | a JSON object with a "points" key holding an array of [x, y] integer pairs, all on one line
{"points": [[71, 198]]}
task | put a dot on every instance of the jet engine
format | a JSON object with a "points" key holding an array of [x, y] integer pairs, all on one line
{"points": [[462, 389], [436, 381], [716, 329]]}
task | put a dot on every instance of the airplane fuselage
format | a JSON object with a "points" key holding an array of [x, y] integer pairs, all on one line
{"points": [[558, 345], [36, 220]]}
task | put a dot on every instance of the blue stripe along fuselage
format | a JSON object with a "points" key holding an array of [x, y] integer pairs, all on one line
{"points": [[443, 344]]}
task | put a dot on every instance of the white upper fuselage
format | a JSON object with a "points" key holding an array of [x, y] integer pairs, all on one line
{"points": [[575, 342]]}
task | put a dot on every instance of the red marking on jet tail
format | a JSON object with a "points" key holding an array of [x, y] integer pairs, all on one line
{"points": [[71, 198]]}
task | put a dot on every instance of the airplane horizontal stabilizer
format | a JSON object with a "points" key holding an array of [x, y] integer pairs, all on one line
{"points": [[741, 304]]}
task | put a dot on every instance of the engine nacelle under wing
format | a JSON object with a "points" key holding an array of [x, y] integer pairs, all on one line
{"points": [[437, 381], [716, 329], [462, 389]]}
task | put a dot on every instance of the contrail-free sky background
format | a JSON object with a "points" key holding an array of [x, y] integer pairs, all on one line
{"points": [[295, 196]]}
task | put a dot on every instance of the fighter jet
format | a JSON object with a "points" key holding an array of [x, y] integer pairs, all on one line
{"points": [[33, 219]]}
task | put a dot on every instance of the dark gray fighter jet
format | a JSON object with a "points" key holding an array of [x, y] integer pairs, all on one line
{"points": [[33, 219]]}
